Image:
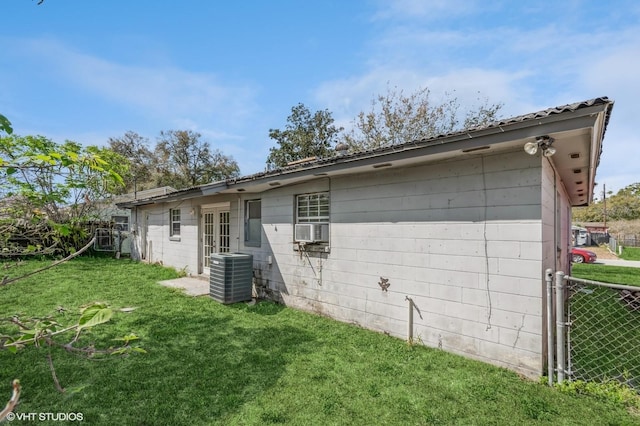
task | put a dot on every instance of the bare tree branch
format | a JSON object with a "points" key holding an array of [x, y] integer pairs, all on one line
{"points": [[13, 401], [53, 373]]}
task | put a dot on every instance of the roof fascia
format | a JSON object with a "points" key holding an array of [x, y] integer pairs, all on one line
{"points": [[582, 118]]}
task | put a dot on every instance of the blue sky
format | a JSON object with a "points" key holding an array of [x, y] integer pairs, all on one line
{"points": [[89, 70]]}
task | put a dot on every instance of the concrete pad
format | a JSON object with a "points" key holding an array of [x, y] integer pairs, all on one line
{"points": [[191, 286]]}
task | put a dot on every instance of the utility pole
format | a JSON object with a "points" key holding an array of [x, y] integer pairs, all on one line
{"points": [[604, 199]]}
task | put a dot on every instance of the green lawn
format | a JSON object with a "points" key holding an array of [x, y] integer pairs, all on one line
{"points": [[608, 274], [213, 364], [630, 253]]}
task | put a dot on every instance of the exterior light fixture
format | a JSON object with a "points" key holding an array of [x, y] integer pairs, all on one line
{"points": [[531, 148], [543, 143]]}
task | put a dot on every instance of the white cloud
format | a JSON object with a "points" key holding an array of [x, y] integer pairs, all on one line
{"points": [[145, 99], [425, 9], [528, 68], [163, 91], [612, 71], [346, 97]]}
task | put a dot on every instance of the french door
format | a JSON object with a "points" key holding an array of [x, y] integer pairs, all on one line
{"points": [[216, 234]]}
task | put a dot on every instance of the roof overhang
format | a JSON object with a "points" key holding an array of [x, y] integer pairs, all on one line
{"points": [[577, 130]]}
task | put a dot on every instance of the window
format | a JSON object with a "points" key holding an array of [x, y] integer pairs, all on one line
{"points": [[174, 222], [120, 223], [253, 223], [312, 208]]}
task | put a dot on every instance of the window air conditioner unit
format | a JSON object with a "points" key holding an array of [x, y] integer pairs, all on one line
{"points": [[311, 232]]}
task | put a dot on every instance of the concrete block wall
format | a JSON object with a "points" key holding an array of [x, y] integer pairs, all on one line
{"points": [[462, 238], [183, 253], [287, 265], [180, 252]]}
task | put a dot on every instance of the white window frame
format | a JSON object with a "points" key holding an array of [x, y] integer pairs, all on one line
{"points": [[312, 205], [175, 217]]}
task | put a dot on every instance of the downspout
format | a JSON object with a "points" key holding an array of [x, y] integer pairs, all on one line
{"points": [[136, 234], [555, 216], [550, 324], [560, 326], [238, 231], [550, 352]]}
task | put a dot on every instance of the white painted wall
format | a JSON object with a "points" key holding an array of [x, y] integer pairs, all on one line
{"points": [[462, 238], [182, 252]]}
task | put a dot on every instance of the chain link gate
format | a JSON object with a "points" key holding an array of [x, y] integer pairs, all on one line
{"points": [[597, 332]]}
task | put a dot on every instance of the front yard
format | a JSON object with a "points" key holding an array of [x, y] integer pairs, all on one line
{"points": [[208, 363]]}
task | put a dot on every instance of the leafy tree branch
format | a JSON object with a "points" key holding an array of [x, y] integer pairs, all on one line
{"points": [[396, 118], [305, 135]]}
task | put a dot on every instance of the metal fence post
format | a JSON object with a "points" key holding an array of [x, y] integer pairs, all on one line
{"points": [[560, 323], [410, 322], [549, 279]]}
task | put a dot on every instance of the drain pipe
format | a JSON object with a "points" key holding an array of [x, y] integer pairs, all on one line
{"points": [[239, 224], [549, 279], [560, 325], [410, 322]]}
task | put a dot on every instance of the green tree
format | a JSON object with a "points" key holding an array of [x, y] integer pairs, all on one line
{"points": [[140, 159], [184, 160], [624, 205], [305, 135], [62, 181], [5, 125], [395, 118], [591, 213]]}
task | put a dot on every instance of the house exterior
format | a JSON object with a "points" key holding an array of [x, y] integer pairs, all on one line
{"points": [[117, 236], [445, 240], [108, 210]]}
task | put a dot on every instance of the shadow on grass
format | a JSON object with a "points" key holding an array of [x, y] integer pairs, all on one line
{"points": [[214, 366], [204, 360], [260, 308]]}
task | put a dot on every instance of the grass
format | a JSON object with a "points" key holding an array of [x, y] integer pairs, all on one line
{"points": [[608, 274], [605, 331], [209, 363], [630, 253]]}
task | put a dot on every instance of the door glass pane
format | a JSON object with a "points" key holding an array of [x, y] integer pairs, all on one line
{"points": [[208, 237], [224, 237]]}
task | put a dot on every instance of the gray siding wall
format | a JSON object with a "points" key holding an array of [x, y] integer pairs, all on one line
{"points": [[463, 239]]}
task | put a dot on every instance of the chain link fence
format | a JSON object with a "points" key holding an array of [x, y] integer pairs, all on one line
{"points": [[628, 240], [602, 331], [613, 245]]}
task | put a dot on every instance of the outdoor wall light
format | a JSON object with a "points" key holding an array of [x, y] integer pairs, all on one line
{"points": [[543, 143]]}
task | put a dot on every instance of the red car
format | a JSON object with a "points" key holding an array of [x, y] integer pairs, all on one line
{"points": [[580, 255]]}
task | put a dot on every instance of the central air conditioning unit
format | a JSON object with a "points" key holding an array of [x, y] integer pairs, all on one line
{"points": [[231, 277], [311, 233]]}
